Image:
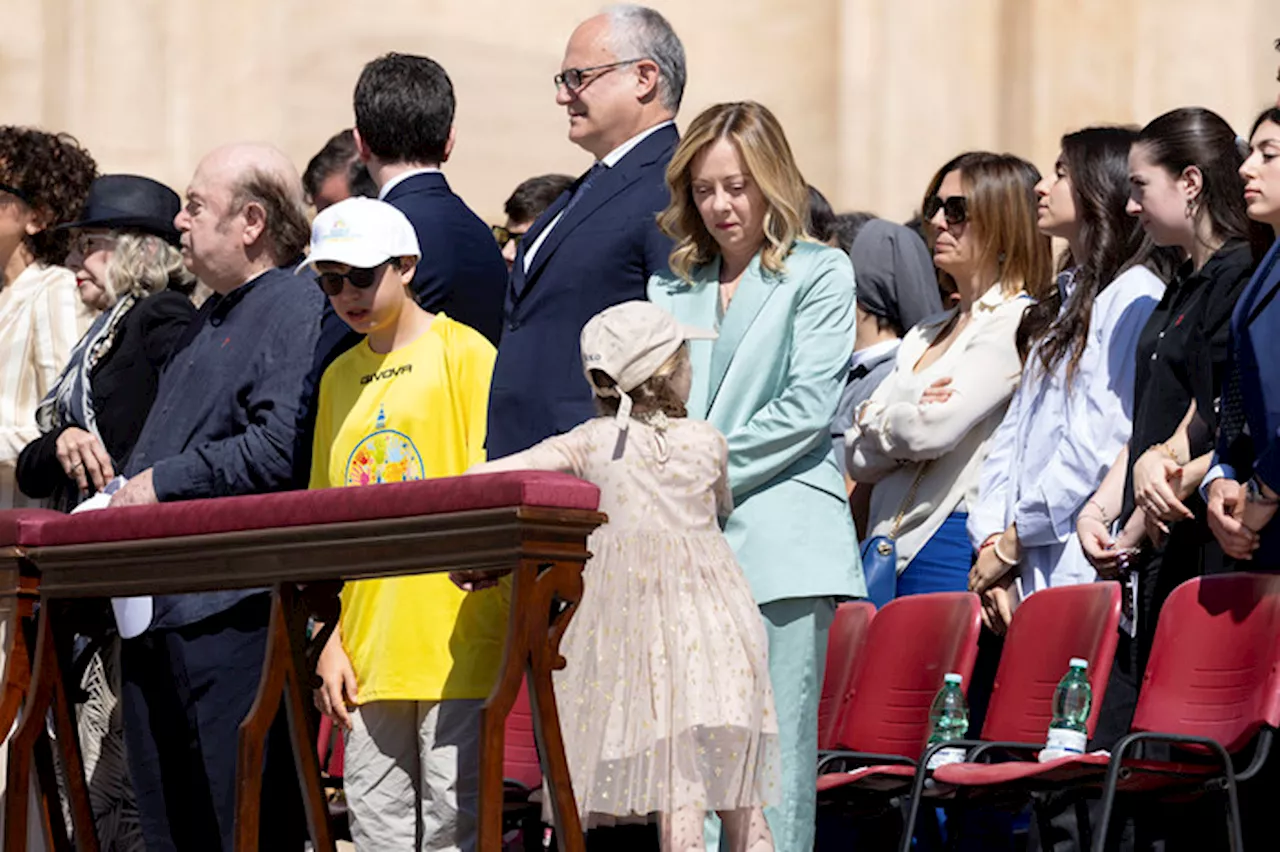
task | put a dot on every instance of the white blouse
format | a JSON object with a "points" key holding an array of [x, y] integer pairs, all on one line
{"points": [[41, 318], [1056, 443], [894, 433]]}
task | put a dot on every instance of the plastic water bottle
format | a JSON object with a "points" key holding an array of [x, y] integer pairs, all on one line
{"points": [[950, 717], [1072, 701]]}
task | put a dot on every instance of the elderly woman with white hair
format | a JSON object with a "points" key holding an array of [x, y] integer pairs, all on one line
{"points": [[127, 267]]}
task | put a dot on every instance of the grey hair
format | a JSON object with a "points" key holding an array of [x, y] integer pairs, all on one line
{"points": [[638, 31]]}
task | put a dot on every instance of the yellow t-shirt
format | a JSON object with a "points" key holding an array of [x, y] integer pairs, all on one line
{"points": [[415, 413]]}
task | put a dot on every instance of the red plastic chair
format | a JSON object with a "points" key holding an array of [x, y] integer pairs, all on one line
{"points": [[1212, 688], [519, 747], [1048, 629], [844, 644], [521, 772], [883, 721], [331, 748]]}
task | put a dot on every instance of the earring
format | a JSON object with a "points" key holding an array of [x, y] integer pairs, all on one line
{"points": [[1000, 258], [1191, 208]]}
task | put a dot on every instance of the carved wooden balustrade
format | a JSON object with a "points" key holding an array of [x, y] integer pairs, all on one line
{"points": [[302, 545]]}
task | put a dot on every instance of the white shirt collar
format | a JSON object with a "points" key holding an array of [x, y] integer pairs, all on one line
{"points": [[612, 158], [874, 352], [401, 178], [996, 296]]}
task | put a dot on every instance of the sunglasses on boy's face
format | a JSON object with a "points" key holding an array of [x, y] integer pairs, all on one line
{"points": [[505, 235], [955, 209], [362, 279]]}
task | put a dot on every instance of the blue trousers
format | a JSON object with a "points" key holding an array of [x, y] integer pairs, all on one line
{"points": [[942, 565]]}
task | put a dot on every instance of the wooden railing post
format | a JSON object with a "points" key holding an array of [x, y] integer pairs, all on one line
{"points": [[280, 682], [47, 693]]}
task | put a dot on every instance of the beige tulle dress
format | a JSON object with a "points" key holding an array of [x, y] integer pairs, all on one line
{"points": [[665, 702]]}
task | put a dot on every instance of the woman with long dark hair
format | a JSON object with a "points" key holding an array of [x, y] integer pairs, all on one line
{"points": [[1186, 192], [1071, 414]]}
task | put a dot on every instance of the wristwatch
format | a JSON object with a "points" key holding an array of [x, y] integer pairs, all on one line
{"points": [[1255, 494]]}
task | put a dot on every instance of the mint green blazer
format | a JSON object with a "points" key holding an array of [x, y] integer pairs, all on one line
{"points": [[770, 383]]}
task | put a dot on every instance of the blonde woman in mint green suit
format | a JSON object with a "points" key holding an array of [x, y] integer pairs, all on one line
{"points": [[784, 309]]}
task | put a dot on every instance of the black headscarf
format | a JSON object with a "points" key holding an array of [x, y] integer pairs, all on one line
{"points": [[894, 273]]}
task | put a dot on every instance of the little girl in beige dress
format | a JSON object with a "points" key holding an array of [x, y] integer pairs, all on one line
{"points": [[665, 702]]}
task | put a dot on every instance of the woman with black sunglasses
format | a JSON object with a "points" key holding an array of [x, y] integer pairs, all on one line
{"points": [[922, 437]]}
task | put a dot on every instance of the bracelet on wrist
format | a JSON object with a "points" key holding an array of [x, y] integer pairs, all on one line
{"points": [[1102, 512], [1012, 563], [990, 542], [1164, 449]]}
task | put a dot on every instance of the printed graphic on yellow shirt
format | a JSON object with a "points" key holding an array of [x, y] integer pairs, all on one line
{"points": [[385, 455]]}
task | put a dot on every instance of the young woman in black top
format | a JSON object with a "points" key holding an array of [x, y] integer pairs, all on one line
{"points": [[1186, 192], [127, 266]]}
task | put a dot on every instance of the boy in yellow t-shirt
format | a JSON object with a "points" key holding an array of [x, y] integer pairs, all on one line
{"points": [[413, 657]]}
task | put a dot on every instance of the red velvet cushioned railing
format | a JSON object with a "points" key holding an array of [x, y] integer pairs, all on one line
{"points": [[40, 528]]}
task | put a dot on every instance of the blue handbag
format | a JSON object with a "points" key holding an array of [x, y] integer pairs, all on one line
{"points": [[880, 553]]}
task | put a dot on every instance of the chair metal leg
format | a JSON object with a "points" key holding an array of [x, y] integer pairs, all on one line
{"points": [[1099, 838], [913, 806], [1235, 830]]}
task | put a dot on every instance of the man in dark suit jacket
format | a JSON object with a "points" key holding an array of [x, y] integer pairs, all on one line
{"points": [[621, 81], [404, 132]]}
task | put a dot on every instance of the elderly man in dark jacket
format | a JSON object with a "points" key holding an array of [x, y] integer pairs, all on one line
{"points": [[226, 420]]}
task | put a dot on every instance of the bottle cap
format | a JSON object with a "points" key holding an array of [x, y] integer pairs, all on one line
{"points": [[1079, 663], [952, 677]]}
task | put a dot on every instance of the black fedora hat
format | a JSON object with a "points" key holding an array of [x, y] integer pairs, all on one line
{"points": [[131, 202]]}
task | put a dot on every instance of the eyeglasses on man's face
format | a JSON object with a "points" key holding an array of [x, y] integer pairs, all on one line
{"points": [[573, 78]]}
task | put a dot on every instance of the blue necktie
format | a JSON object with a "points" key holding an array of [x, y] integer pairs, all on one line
{"points": [[584, 186]]}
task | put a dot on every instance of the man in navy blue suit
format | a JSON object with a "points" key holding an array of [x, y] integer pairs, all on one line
{"points": [[404, 132], [621, 82]]}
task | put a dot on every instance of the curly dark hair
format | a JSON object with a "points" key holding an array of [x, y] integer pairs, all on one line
{"points": [[51, 173]]}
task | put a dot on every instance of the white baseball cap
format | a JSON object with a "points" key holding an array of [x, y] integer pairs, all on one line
{"points": [[360, 232], [629, 343]]}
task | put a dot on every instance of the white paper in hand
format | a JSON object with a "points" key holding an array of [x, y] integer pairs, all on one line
{"points": [[133, 615]]}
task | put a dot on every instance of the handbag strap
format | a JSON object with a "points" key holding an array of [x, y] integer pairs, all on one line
{"points": [[908, 501]]}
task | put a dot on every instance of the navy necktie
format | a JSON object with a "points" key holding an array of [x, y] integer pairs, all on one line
{"points": [[584, 186]]}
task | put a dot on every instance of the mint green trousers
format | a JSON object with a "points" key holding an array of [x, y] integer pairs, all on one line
{"points": [[797, 629]]}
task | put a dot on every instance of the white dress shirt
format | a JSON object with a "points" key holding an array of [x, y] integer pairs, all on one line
{"points": [[874, 352], [894, 433], [610, 160], [1056, 443], [401, 178]]}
